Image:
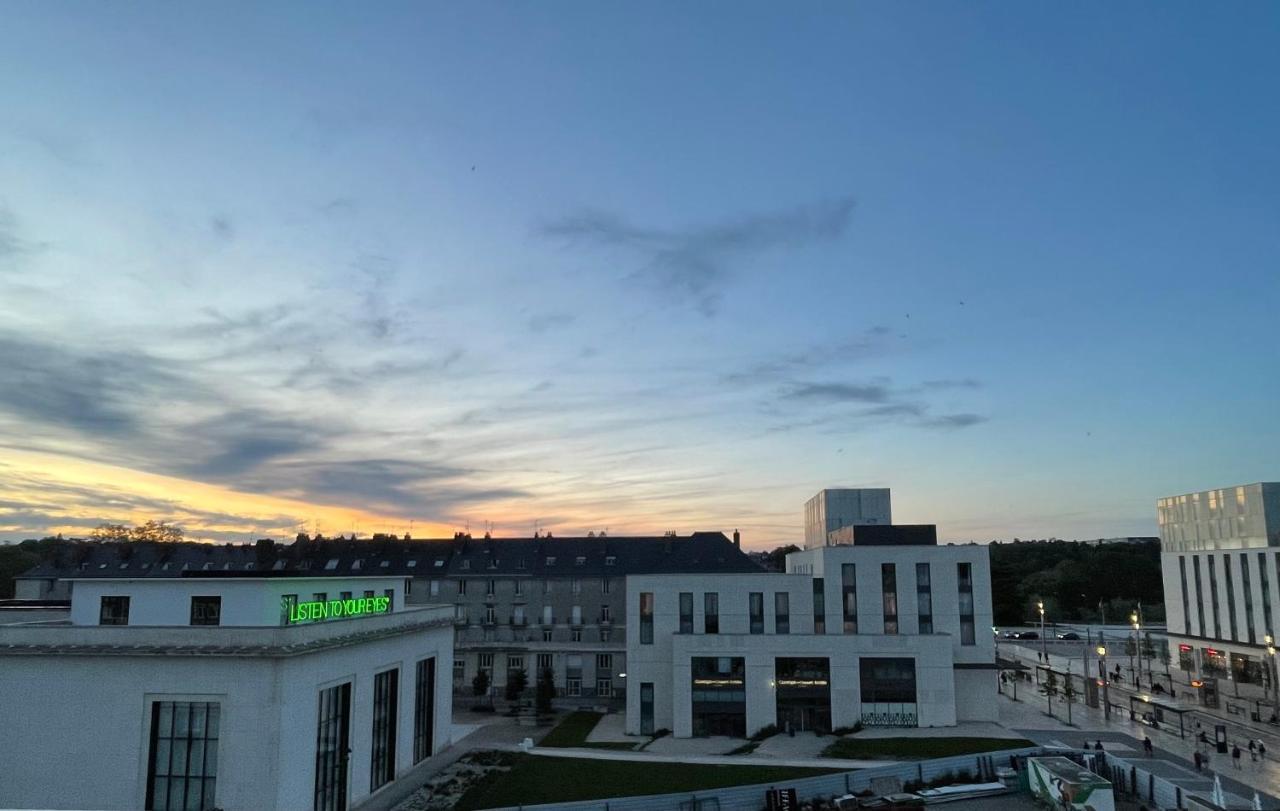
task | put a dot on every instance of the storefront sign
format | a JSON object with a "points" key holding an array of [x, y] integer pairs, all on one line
{"points": [[318, 610]]}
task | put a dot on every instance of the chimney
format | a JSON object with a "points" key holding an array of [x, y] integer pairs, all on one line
{"points": [[737, 539]]}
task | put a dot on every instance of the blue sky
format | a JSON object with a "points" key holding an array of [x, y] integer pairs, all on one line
{"points": [[643, 267]]}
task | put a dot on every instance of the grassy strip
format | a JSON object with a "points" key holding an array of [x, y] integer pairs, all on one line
{"points": [[917, 748], [534, 779], [572, 730]]}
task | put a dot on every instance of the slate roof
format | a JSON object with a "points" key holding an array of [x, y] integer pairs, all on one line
{"points": [[438, 557]]}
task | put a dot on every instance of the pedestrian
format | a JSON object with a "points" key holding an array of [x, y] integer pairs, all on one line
{"points": [[1146, 745], [1098, 745], [1253, 752], [1262, 750], [1235, 755], [1198, 758]]}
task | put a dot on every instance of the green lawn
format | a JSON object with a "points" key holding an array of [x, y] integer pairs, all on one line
{"points": [[535, 779], [573, 729], [917, 748]]}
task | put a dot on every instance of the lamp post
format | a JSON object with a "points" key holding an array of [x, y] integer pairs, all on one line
{"points": [[1102, 672], [1137, 648], [1275, 688], [1044, 643]]}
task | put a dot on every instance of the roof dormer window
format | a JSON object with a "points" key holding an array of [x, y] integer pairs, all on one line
{"points": [[551, 560], [579, 560], [331, 565], [610, 560]]}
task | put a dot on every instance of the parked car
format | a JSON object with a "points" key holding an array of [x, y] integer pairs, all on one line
{"points": [[1070, 636], [1024, 635]]}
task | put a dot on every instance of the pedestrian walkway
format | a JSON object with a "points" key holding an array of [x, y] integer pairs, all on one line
{"points": [[1122, 736], [708, 760]]}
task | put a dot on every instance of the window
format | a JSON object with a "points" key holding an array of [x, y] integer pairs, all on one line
{"points": [[1266, 594], [605, 634], [646, 618], [206, 610], [610, 560], [711, 613], [604, 662], [462, 588], [573, 686], [182, 771], [368, 592], [321, 596], [333, 743], [490, 615], [755, 605], [434, 588], [519, 588], [604, 688], [486, 662], [964, 579], [424, 709], [547, 619], [606, 613], [544, 662], [781, 612], [546, 586], [686, 612], [1231, 595], [114, 611], [819, 606], [580, 560], [489, 587], [466, 565], [924, 598], [575, 615], [575, 635], [1250, 631], [546, 634], [889, 584], [575, 586], [459, 670], [605, 585], [383, 763], [887, 681], [551, 560], [849, 597], [1195, 566], [1186, 601], [514, 665], [646, 708]]}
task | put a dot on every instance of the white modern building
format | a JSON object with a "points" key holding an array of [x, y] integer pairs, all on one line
{"points": [[1221, 569], [831, 510], [216, 690], [883, 635]]}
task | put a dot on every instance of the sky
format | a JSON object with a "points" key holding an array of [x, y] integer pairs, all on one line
{"points": [[579, 266]]}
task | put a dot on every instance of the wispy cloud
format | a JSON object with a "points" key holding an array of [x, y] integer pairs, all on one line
{"points": [[695, 263]]}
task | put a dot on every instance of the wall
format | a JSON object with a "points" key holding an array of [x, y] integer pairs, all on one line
{"points": [[68, 757], [245, 601]]}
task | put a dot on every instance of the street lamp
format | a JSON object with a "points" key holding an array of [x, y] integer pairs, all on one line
{"points": [[1102, 672], [1271, 652], [1137, 649], [1044, 650]]}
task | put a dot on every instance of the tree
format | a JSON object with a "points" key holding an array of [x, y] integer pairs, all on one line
{"points": [[111, 532], [480, 684], [157, 531], [546, 690], [776, 559], [1051, 689], [1069, 695], [517, 681]]}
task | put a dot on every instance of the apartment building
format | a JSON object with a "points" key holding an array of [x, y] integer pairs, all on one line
{"points": [[518, 603], [884, 634], [1220, 562]]}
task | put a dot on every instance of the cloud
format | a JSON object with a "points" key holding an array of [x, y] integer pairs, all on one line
{"points": [[12, 244], [222, 228], [962, 383], [954, 421], [694, 263], [839, 392], [873, 342], [547, 321]]}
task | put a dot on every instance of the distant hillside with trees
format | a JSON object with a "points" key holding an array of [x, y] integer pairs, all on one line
{"points": [[1073, 578]]}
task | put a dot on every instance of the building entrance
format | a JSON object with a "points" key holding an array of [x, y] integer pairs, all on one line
{"points": [[719, 696], [803, 690]]}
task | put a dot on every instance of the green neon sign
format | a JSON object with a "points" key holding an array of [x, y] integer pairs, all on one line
{"points": [[320, 610]]}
